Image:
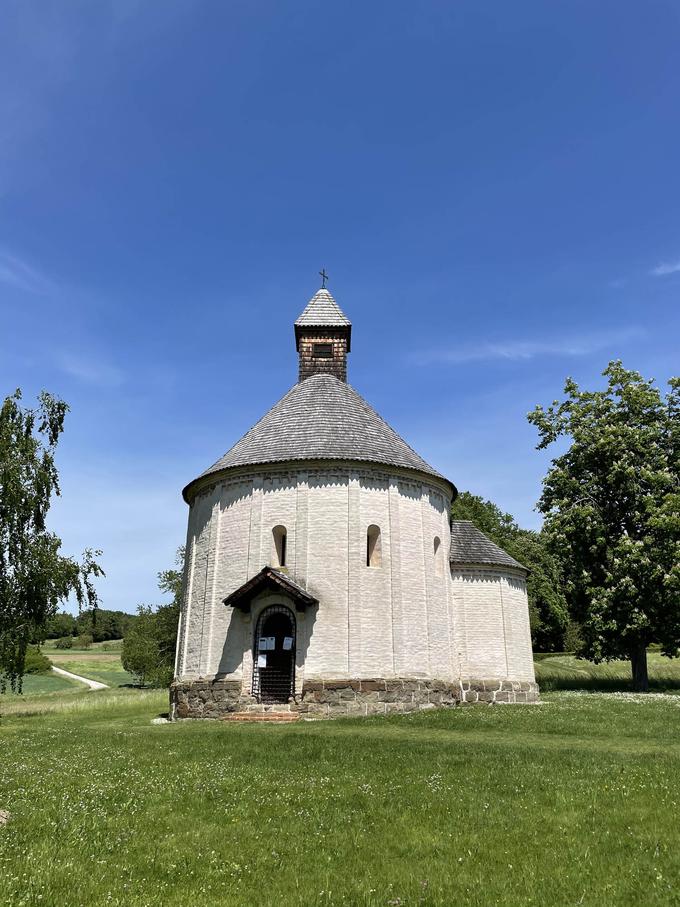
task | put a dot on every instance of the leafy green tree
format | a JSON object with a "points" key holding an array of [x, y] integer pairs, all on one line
{"points": [[66, 642], [612, 513], [548, 610], [140, 647], [149, 644], [61, 624], [84, 641], [36, 662], [34, 577], [102, 624]]}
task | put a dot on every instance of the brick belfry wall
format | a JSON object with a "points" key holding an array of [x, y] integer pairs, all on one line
{"points": [[336, 365]]}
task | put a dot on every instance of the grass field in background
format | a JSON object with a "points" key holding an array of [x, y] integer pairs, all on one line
{"points": [[566, 672], [571, 802], [96, 664], [37, 684]]}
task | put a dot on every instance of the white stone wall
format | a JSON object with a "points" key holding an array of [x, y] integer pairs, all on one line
{"points": [[493, 612], [391, 620], [410, 617]]}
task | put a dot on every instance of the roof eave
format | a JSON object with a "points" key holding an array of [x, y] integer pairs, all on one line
{"points": [[211, 478]]}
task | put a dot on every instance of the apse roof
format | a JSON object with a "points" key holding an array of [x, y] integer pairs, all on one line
{"points": [[469, 545], [321, 418]]}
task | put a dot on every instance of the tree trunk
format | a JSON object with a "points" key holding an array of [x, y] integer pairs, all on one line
{"points": [[638, 663]]}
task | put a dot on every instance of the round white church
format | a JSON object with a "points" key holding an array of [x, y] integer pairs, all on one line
{"points": [[324, 574]]}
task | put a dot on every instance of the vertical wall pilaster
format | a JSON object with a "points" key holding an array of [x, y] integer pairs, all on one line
{"points": [[255, 562], [395, 566], [355, 538], [302, 528]]}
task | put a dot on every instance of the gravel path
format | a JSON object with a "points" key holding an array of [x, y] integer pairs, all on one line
{"points": [[92, 684]]}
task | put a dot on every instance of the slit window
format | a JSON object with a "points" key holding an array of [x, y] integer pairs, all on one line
{"points": [[373, 547], [279, 536], [322, 350], [437, 556]]}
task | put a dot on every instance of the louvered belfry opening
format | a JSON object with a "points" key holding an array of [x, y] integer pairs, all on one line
{"points": [[274, 656]]}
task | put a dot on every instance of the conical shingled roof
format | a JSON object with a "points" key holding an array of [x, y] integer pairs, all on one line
{"points": [[320, 418], [469, 545], [322, 311]]}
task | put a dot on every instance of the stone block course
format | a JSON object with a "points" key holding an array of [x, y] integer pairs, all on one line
{"points": [[332, 698]]}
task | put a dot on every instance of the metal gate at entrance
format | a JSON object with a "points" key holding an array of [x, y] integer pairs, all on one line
{"points": [[274, 655]]}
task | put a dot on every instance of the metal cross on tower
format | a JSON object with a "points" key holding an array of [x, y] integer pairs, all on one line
{"points": [[324, 278]]}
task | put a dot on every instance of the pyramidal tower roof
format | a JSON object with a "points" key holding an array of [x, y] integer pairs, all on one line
{"points": [[322, 311]]}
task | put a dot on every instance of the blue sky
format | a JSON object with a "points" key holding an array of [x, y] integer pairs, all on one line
{"points": [[492, 187]]}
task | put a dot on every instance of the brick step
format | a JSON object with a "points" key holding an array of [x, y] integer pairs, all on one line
{"points": [[262, 716]]}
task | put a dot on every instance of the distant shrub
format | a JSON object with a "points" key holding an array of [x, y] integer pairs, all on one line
{"points": [[36, 662], [84, 641], [66, 642]]}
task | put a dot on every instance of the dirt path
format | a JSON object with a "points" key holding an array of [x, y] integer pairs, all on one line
{"points": [[92, 684]]}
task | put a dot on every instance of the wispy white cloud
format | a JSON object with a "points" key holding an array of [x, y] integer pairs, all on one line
{"points": [[16, 272], [90, 371], [518, 350], [665, 268]]}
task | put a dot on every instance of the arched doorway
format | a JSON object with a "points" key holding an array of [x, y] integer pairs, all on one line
{"points": [[274, 655]]}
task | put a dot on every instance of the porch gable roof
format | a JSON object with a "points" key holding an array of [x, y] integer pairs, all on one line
{"points": [[269, 579]]}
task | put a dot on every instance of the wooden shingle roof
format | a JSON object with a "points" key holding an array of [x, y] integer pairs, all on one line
{"points": [[469, 545], [321, 418], [322, 311]]}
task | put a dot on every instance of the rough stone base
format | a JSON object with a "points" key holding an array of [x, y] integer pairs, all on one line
{"points": [[499, 691], [334, 698]]}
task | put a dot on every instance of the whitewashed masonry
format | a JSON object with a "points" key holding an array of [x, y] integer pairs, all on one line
{"points": [[323, 573]]}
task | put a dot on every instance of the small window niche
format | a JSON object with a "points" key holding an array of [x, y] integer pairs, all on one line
{"points": [[322, 350], [438, 562], [279, 537], [373, 547]]}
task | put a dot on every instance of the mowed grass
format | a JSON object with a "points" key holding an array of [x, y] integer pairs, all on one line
{"points": [[571, 802], [566, 672]]}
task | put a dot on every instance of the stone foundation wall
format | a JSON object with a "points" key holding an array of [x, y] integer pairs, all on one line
{"points": [[334, 698], [499, 691]]}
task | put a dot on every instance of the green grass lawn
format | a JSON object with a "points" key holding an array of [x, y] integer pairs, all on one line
{"points": [[36, 684], [571, 802], [97, 664]]}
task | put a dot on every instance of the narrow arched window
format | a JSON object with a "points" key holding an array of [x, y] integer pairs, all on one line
{"points": [[279, 537], [373, 547], [438, 556]]}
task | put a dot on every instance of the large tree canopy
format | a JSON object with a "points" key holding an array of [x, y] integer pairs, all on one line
{"points": [[547, 606], [34, 576], [612, 513]]}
